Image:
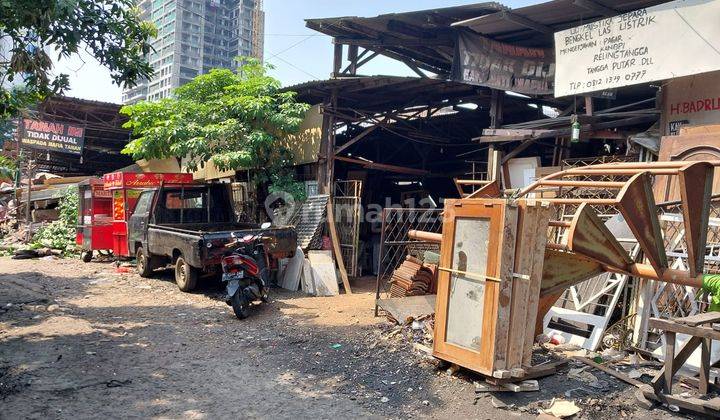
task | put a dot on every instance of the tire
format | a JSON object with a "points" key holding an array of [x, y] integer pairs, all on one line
{"points": [[144, 263], [240, 305], [185, 275], [86, 256]]}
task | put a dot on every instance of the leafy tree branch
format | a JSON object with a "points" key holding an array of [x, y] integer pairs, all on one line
{"points": [[30, 30], [233, 119]]}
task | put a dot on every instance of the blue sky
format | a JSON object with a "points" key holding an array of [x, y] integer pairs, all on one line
{"points": [[297, 53]]}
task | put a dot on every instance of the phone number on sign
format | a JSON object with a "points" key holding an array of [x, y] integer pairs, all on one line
{"points": [[599, 83]]}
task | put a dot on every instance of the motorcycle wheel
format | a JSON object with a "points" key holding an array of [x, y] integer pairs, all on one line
{"points": [[240, 305]]}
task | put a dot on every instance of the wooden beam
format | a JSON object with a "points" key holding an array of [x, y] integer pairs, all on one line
{"points": [[528, 23], [597, 7], [497, 99], [337, 58], [384, 167], [357, 138], [414, 68], [516, 151], [352, 58], [335, 239], [588, 105]]}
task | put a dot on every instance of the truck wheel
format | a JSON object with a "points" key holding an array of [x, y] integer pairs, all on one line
{"points": [[185, 275], [144, 263], [240, 305], [86, 256]]}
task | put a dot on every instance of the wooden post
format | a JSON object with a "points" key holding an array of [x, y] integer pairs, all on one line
{"points": [[497, 99], [27, 201], [588, 105], [669, 359], [326, 162], [335, 239], [322, 171], [337, 59], [353, 59], [705, 365]]}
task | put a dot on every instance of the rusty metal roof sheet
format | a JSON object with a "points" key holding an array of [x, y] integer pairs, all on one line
{"points": [[533, 26]]}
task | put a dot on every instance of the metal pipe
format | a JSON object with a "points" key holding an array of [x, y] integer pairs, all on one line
{"points": [[472, 182], [669, 275], [559, 223], [619, 171], [558, 247], [422, 235], [595, 201], [595, 184], [647, 165]]}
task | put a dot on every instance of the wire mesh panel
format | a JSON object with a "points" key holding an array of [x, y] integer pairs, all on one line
{"points": [[395, 244], [666, 300], [347, 201]]}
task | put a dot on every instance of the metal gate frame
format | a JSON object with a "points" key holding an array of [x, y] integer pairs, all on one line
{"points": [[347, 200], [395, 244]]}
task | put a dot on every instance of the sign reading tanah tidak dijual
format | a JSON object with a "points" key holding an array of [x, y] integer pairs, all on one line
{"points": [[51, 136], [670, 40]]}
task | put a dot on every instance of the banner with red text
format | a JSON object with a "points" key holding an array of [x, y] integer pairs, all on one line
{"points": [[51, 136]]}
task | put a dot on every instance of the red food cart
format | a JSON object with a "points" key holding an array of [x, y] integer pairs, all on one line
{"points": [[94, 229], [125, 188]]}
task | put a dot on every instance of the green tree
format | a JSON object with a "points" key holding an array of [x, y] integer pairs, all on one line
{"points": [[233, 119], [30, 30], [60, 234], [7, 169]]}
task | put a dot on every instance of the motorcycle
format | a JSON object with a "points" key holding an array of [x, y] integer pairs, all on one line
{"points": [[245, 273]]}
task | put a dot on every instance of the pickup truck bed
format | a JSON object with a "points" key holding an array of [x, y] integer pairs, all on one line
{"points": [[189, 227], [203, 248]]}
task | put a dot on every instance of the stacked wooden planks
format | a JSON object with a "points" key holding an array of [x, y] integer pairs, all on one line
{"points": [[413, 278]]}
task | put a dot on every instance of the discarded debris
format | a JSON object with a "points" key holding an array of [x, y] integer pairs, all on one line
{"points": [[562, 408]]}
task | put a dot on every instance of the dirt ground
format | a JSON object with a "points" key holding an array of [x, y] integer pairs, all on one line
{"points": [[81, 340]]}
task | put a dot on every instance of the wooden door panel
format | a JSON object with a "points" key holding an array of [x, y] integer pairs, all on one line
{"points": [[689, 147]]}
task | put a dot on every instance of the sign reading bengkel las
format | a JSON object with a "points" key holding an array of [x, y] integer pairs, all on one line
{"points": [[674, 39], [51, 136]]}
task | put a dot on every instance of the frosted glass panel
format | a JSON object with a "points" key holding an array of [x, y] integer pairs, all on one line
{"points": [[467, 295]]}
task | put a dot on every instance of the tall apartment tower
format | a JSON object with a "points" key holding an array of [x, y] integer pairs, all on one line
{"points": [[195, 36]]}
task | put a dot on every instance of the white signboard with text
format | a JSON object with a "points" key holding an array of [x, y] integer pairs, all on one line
{"points": [[670, 40]]}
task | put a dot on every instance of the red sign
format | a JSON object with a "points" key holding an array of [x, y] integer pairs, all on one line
{"points": [[118, 180], [99, 192], [51, 136], [700, 105]]}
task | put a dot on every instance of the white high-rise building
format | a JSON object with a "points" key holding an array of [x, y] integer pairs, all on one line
{"points": [[195, 36]]}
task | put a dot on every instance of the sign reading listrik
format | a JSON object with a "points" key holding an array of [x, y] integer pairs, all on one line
{"points": [[670, 40], [51, 136]]}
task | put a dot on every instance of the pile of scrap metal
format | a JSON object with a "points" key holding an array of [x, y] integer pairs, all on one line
{"points": [[413, 278], [504, 262]]}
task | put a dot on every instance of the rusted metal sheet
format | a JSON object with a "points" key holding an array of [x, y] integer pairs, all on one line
{"points": [[491, 190], [590, 237], [637, 205], [563, 269], [696, 182]]}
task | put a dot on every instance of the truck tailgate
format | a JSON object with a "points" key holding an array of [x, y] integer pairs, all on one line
{"points": [[282, 242]]}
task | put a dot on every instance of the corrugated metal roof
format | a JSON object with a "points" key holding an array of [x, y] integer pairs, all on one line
{"points": [[309, 222], [514, 26], [378, 93], [426, 37]]}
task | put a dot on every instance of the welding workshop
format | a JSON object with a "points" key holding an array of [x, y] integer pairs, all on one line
{"points": [[533, 213]]}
